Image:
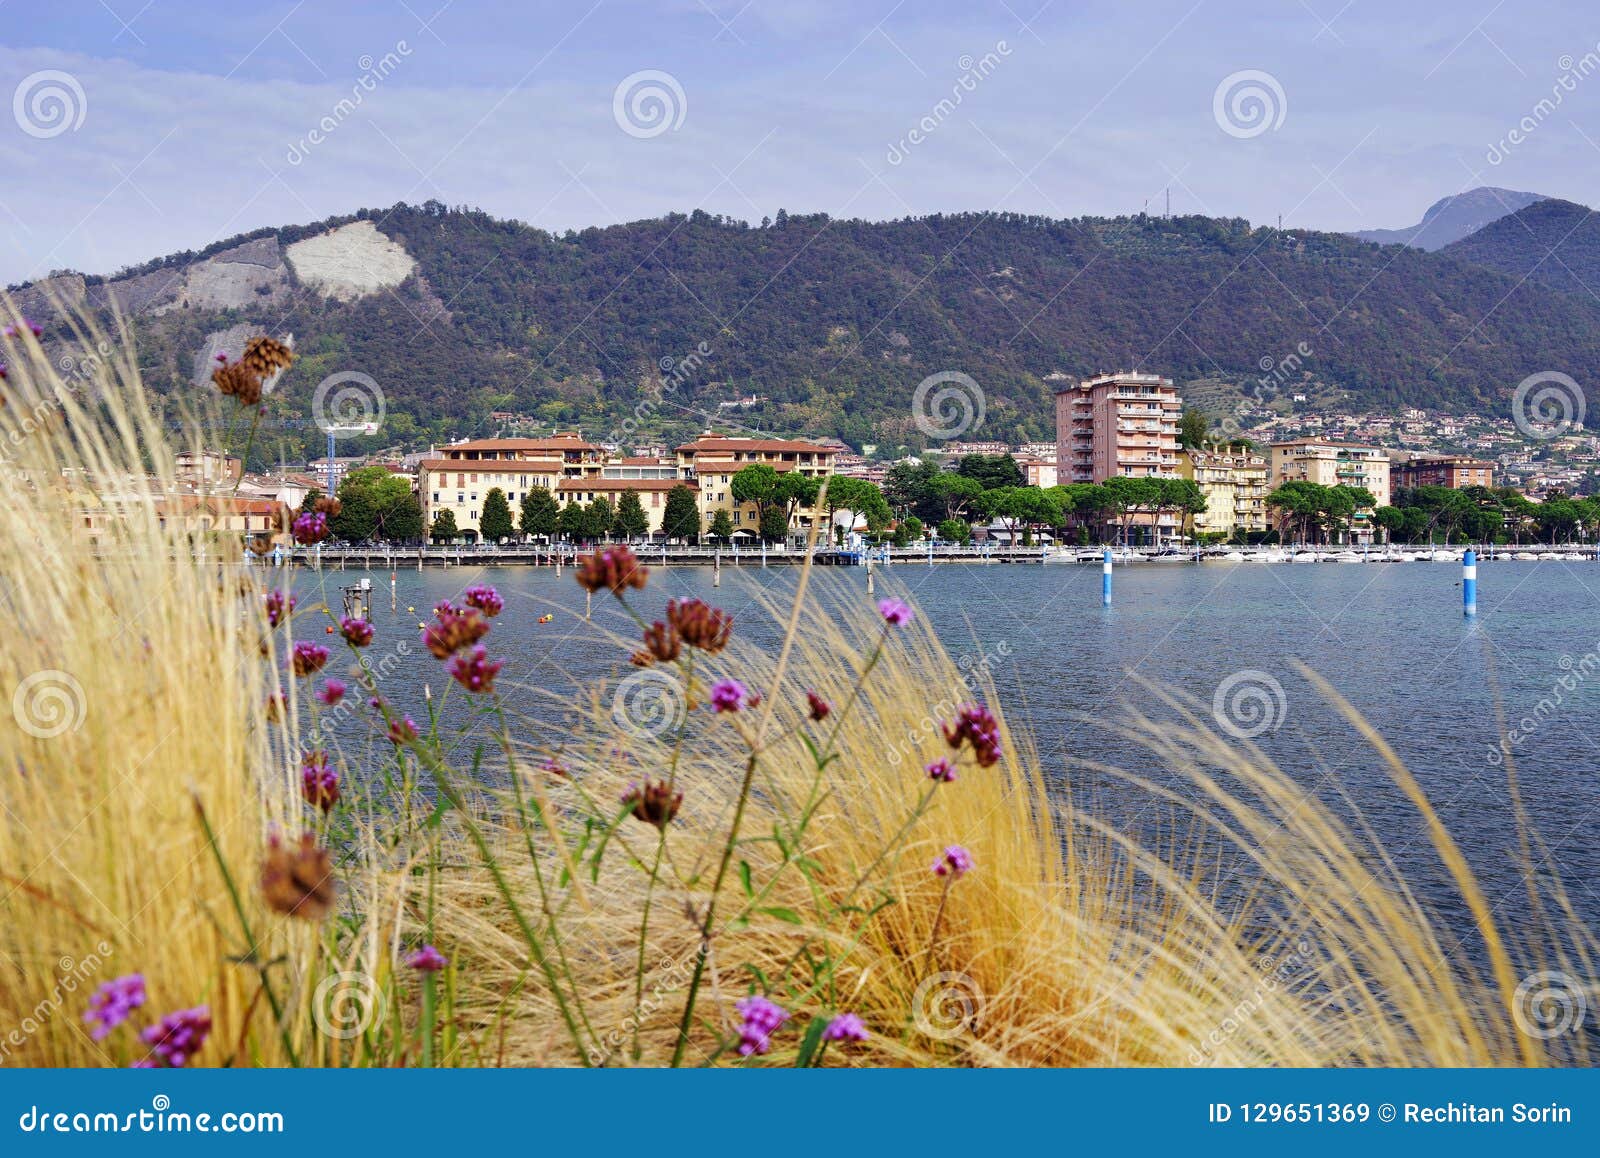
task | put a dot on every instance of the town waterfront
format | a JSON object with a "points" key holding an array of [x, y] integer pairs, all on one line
{"points": [[1391, 638]]}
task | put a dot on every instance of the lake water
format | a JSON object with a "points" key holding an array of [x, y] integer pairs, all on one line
{"points": [[1391, 638]]}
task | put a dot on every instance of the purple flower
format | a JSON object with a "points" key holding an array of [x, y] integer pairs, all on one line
{"points": [[895, 612], [485, 598], [309, 528], [941, 770], [112, 1003], [761, 1019], [177, 1037], [845, 1027], [319, 781], [308, 658], [357, 632], [727, 696], [427, 960], [279, 607], [475, 671], [332, 692], [403, 730], [956, 862]]}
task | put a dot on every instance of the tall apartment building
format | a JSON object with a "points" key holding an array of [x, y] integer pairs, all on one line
{"points": [[1117, 424], [1442, 470], [1332, 464], [1120, 424], [1235, 485], [712, 460]]}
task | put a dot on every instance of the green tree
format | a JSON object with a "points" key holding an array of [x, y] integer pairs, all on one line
{"points": [[991, 470], [774, 524], [795, 491], [598, 519], [539, 513], [570, 522], [494, 524], [756, 483], [721, 527], [907, 485], [1131, 497], [444, 526], [954, 494], [681, 519], [357, 519], [912, 525], [632, 522], [1192, 428], [954, 531], [401, 522]]}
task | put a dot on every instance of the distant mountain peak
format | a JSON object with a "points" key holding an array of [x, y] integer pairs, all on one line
{"points": [[1454, 217]]}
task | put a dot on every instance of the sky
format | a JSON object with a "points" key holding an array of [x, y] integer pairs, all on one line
{"points": [[142, 127]]}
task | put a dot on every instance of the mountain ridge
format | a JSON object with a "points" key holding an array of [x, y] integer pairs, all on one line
{"points": [[1449, 219], [833, 323]]}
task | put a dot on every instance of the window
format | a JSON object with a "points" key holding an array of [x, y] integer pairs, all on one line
{"points": [[460, 498], [435, 496]]}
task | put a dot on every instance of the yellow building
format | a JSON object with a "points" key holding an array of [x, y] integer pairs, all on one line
{"points": [[572, 470], [1333, 464], [1234, 483], [712, 460]]}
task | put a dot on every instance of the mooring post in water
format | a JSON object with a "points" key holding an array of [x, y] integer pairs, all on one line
{"points": [[869, 574], [1469, 583], [1105, 578], [394, 597], [716, 568]]}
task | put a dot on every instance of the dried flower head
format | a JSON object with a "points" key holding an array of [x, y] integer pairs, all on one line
{"points": [[661, 642], [238, 381], [699, 624], [327, 505], [485, 598], [297, 880], [319, 781], [614, 569], [454, 629], [975, 724], [818, 708], [264, 356], [654, 802], [259, 544]]}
